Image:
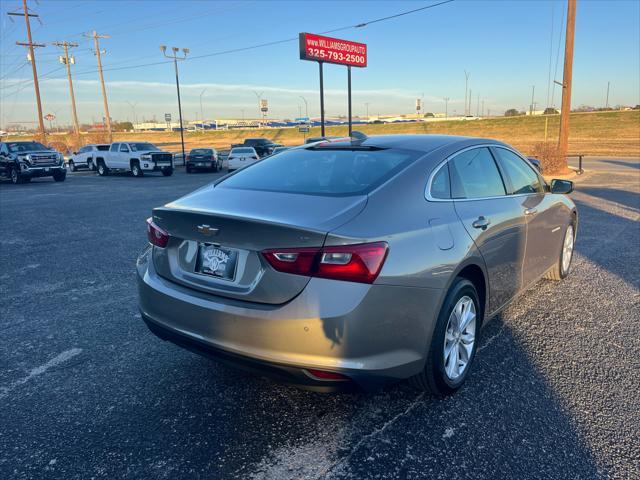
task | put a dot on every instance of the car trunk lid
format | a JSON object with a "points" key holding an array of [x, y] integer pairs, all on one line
{"points": [[239, 224]]}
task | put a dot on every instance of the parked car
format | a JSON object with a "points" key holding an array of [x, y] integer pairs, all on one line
{"points": [[356, 264], [22, 161], [203, 159], [262, 146], [240, 157], [85, 157], [134, 157]]}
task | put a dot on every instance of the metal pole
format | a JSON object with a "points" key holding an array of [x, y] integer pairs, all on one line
{"points": [[175, 63], [563, 140], [321, 101], [606, 104], [202, 111], [533, 92], [65, 46], [306, 106], [469, 109], [466, 85], [349, 95]]}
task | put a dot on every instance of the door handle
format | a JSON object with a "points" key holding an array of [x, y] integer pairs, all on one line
{"points": [[482, 223], [530, 211]]}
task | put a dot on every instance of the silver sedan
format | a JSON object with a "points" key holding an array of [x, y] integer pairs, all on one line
{"points": [[355, 262]]}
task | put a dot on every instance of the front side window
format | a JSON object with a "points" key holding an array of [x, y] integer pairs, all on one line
{"points": [[102, 148], [523, 178], [323, 171], [114, 147], [474, 174]]}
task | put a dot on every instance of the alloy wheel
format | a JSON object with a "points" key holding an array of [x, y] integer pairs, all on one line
{"points": [[460, 337], [567, 249]]}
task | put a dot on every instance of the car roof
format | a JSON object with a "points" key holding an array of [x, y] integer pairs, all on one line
{"points": [[425, 143]]}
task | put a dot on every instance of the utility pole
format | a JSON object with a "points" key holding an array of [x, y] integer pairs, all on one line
{"points": [[446, 107], [478, 106], [466, 86], [97, 52], [482, 111], [32, 58], [366, 104], [259, 97], [469, 108], [606, 103], [533, 92], [133, 109], [175, 58], [68, 61], [563, 140]]}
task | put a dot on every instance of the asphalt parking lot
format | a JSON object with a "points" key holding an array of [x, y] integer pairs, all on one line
{"points": [[87, 392]]}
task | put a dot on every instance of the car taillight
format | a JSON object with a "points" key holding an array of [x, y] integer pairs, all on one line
{"points": [[352, 263], [156, 235]]}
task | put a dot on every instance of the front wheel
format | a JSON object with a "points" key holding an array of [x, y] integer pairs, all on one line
{"points": [[454, 342], [136, 170], [562, 267], [167, 172], [90, 165], [15, 176], [60, 176]]}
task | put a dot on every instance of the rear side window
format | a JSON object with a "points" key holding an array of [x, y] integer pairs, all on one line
{"points": [[522, 177], [440, 185], [114, 147], [103, 148], [474, 174], [325, 171]]}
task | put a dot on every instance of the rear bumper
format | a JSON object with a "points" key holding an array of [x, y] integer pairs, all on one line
{"points": [[373, 334]]}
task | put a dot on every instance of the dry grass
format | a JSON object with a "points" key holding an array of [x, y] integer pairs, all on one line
{"points": [[600, 133]]}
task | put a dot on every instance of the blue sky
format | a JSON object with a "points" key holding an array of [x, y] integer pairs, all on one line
{"points": [[504, 44]]}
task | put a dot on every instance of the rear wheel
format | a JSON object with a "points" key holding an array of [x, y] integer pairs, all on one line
{"points": [[90, 165], [454, 342], [72, 166], [60, 176], [188, 168], [135, 169], [562, 267], [167, 172], [103, 171]]}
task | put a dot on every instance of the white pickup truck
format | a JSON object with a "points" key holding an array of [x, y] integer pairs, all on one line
{"points": [[134, 157]]}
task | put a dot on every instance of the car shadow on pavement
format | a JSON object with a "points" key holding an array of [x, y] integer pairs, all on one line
{"points": [[190, 412], [629, 164], [623, 197]]}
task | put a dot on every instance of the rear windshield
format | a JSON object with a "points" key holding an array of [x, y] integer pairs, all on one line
{"points": [[201, 151], [242, 150], [330, 172], [102, 148]]}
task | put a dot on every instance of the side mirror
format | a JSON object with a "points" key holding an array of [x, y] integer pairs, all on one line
{"points": [[561, 186]]}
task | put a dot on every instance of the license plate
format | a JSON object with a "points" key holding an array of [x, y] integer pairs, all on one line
{"points": [[200, 164], [46, 169], [216, 261]]}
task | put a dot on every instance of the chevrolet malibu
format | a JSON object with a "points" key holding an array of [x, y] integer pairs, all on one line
{"points": [[356, 262]]}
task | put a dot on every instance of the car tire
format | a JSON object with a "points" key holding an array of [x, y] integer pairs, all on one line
{"points": [[90, 165], [103, 171], [15, 176], [60, 176], [453, 349], [188, 169], [135, 169], [563, 266], [72, 166], [167, 172]]}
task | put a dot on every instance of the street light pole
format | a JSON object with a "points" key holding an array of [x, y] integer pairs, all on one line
{"points": [[201, 110], [306, 106], [466, 86], [259, 97], [133, 108], [446, 107], [175, 58]]}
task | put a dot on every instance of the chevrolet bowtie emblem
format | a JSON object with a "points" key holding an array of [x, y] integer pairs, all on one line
{"points": [[207, 230]]}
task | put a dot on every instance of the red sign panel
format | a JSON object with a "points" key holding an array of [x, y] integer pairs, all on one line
{"points": [[332, 50]]}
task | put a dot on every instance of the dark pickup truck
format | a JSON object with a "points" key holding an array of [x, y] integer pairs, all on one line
{"points": [[262, 146], [22, 161]]}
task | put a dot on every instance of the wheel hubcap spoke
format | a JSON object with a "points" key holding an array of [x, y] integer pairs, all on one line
{"points": [[459, 337]]}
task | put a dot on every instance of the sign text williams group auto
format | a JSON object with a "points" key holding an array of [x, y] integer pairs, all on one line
{"points": [[332, 50]]}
